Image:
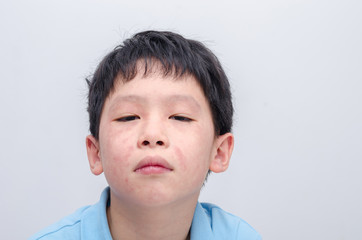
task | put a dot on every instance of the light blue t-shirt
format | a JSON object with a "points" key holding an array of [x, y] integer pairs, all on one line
{"points": [[90, 222]]}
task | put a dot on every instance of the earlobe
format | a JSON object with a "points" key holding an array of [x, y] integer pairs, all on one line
{"points": [[223, 148], [94, 159]]}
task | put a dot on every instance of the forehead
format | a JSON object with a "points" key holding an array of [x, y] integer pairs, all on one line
{"points": [[169, 98], [169, 88]]}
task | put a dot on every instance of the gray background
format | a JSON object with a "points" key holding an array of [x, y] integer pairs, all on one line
{"points": [[295, 69]]}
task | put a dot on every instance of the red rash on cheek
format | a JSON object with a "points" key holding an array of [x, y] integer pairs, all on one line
{"points": [[128, 185], [128, 153], [181, 157]]}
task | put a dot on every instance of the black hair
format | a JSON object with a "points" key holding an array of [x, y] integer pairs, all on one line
{"points": [[176, 56]]}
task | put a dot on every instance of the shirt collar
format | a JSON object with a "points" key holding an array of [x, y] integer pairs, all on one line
{"points": [[201, 227], [94, 221]]}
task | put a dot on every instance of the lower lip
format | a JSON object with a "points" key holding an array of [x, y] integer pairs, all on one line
{"points": [[149, 170]]}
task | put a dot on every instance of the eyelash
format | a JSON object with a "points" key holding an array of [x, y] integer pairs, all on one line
{"points": [[181, 118], [134, 117], [128, 118]]}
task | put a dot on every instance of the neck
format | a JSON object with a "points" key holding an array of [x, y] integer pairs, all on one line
{"points": [[129, 221]]}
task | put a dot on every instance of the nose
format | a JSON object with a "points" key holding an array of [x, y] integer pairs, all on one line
{"points": [[153, 135]]}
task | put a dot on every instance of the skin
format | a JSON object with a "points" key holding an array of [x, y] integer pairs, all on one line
{"points": [[156, 118]]}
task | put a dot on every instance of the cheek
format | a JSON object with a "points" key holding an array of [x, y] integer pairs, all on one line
{"points": [[181, 158], [117, 168], [124, 155], [119, 157], [117, 151], [193, 156]]}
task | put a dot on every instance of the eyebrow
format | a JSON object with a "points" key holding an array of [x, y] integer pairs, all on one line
{"points": [[170, 99], [129, 98], [184, 98], [126, 98]]}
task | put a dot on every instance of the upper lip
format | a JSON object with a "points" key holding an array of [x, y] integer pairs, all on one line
{"points": [[153, 161]]}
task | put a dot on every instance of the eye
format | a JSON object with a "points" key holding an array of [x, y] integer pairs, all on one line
{"points": [[181, 118], [128, 118]]}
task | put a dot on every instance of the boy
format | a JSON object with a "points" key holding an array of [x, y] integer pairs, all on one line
{"points": [[160, 120]]}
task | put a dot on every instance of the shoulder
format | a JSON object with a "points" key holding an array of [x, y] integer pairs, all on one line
{"points": [[88, 222], [221, 224], [66, 228]]}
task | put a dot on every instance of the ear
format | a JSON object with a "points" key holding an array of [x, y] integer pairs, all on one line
{"points": [[224, 145], [93, 153]]}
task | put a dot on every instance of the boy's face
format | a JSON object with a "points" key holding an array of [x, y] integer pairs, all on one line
{"points": [[156, 141]]}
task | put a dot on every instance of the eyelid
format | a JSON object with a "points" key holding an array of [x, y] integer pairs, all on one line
{"points": [[182, 118], [127, 118]]}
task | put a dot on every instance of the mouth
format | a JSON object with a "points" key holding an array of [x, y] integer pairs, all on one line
{"points": [[153, 165]]}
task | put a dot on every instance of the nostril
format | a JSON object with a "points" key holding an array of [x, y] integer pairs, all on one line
{"points": [[151, 143]]}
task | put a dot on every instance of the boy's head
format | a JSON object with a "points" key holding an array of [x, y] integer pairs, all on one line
{"points": [[174, 56], [161, 114]]}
